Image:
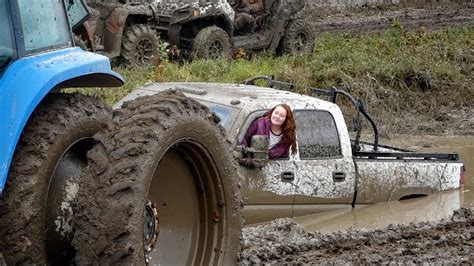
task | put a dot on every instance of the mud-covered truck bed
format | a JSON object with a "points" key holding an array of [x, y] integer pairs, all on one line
{"points": [[405, 174], [329, 171]]}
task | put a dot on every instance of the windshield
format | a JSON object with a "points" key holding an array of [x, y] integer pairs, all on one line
{"points": [[6, 39], [221, 111], [44, 25]]}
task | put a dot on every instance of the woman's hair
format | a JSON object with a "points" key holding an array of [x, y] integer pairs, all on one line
{"points": [[288, 127]]}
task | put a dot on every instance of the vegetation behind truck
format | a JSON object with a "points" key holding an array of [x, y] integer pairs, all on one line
{"points": [[177, 186]]}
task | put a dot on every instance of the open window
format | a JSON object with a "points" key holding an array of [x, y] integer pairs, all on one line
{"points": [[317, 135], [256, 150]]}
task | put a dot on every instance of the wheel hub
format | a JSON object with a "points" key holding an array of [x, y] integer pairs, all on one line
{"points": [[216, 49], [301, 41], [151, 228], [144, 51]]}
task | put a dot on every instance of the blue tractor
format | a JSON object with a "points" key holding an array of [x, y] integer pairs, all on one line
{"points": [[44, 132]]}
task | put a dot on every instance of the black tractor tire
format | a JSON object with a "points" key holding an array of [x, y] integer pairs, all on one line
{"points": [[298, 39], [210, 43], [139, 45], [36, 209], [80, 42], [163, 188]]}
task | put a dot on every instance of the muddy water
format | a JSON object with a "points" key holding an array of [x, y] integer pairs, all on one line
{"points": [[431, 208]]}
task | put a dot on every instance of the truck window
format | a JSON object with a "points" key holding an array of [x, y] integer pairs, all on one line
{"points": [[43, 29], [316, 135], [6, 39]]}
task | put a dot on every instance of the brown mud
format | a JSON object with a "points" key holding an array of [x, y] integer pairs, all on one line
{"points": [[284, 241], [374, 18]]}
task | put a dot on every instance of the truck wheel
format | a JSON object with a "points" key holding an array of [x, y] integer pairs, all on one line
{"points": [[298, 39], [140, 45], [211, 42], [163, 189], [36, 209]]}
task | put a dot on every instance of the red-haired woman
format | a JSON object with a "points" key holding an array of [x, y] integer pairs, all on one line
{"points": [[279, 125]]}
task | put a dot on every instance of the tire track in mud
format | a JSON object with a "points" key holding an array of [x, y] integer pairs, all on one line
{"points": [[283, 241], [375, 18]]}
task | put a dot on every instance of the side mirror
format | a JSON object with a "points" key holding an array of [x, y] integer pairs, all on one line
{"points": [[259, 143], [256, 156]]}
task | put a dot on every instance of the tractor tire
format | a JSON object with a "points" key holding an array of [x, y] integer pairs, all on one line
{"points": [[163, 188], [36, 209], [140, 45], [298, 39], [210, 43]]}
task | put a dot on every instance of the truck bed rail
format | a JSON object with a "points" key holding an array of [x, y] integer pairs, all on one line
{"points": [[406, 155]]}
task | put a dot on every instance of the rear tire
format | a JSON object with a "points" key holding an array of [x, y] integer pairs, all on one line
{"points": [[36, 209], [140, 45], [163, 188], [211, 43], [298, 39]]}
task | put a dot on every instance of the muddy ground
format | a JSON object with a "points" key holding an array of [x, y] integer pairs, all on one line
{"points": [[368, 18], [283, 241]]}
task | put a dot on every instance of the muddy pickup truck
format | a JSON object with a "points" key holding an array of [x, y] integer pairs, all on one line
{"points": [[330, 171]]}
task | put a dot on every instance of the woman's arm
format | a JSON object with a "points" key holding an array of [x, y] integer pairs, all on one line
{"points": [[250, 132], [281, 150]]}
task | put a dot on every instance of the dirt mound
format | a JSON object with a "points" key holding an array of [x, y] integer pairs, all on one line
{"points": [[283, 241]]}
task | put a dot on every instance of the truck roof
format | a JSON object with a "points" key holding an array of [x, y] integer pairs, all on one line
{"points": [[238, 96]]}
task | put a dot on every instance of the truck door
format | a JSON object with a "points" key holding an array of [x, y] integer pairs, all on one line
{"points": [[324, 175], [268, 192]]}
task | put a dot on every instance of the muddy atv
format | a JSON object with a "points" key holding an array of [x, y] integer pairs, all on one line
{"points": [[207, 29], [121, 29]]}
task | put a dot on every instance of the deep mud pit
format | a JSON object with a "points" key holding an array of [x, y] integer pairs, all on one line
{"points": [[284, 241], [412, 231]]}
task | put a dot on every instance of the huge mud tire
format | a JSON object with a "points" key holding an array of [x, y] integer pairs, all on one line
{"points": [[298, 39], [162, 164], [140, 45], [48, 159], [211, 42]]}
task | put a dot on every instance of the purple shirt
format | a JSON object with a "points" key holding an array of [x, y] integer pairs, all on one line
{"points": [[262, 126]]}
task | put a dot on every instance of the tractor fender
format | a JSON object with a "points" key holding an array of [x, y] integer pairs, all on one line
{"points": [[116, 23], [28, 80]]}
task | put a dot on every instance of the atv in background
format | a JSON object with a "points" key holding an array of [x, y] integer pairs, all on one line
{"points": [[130, 29], [122, 29], [206, 29]]}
